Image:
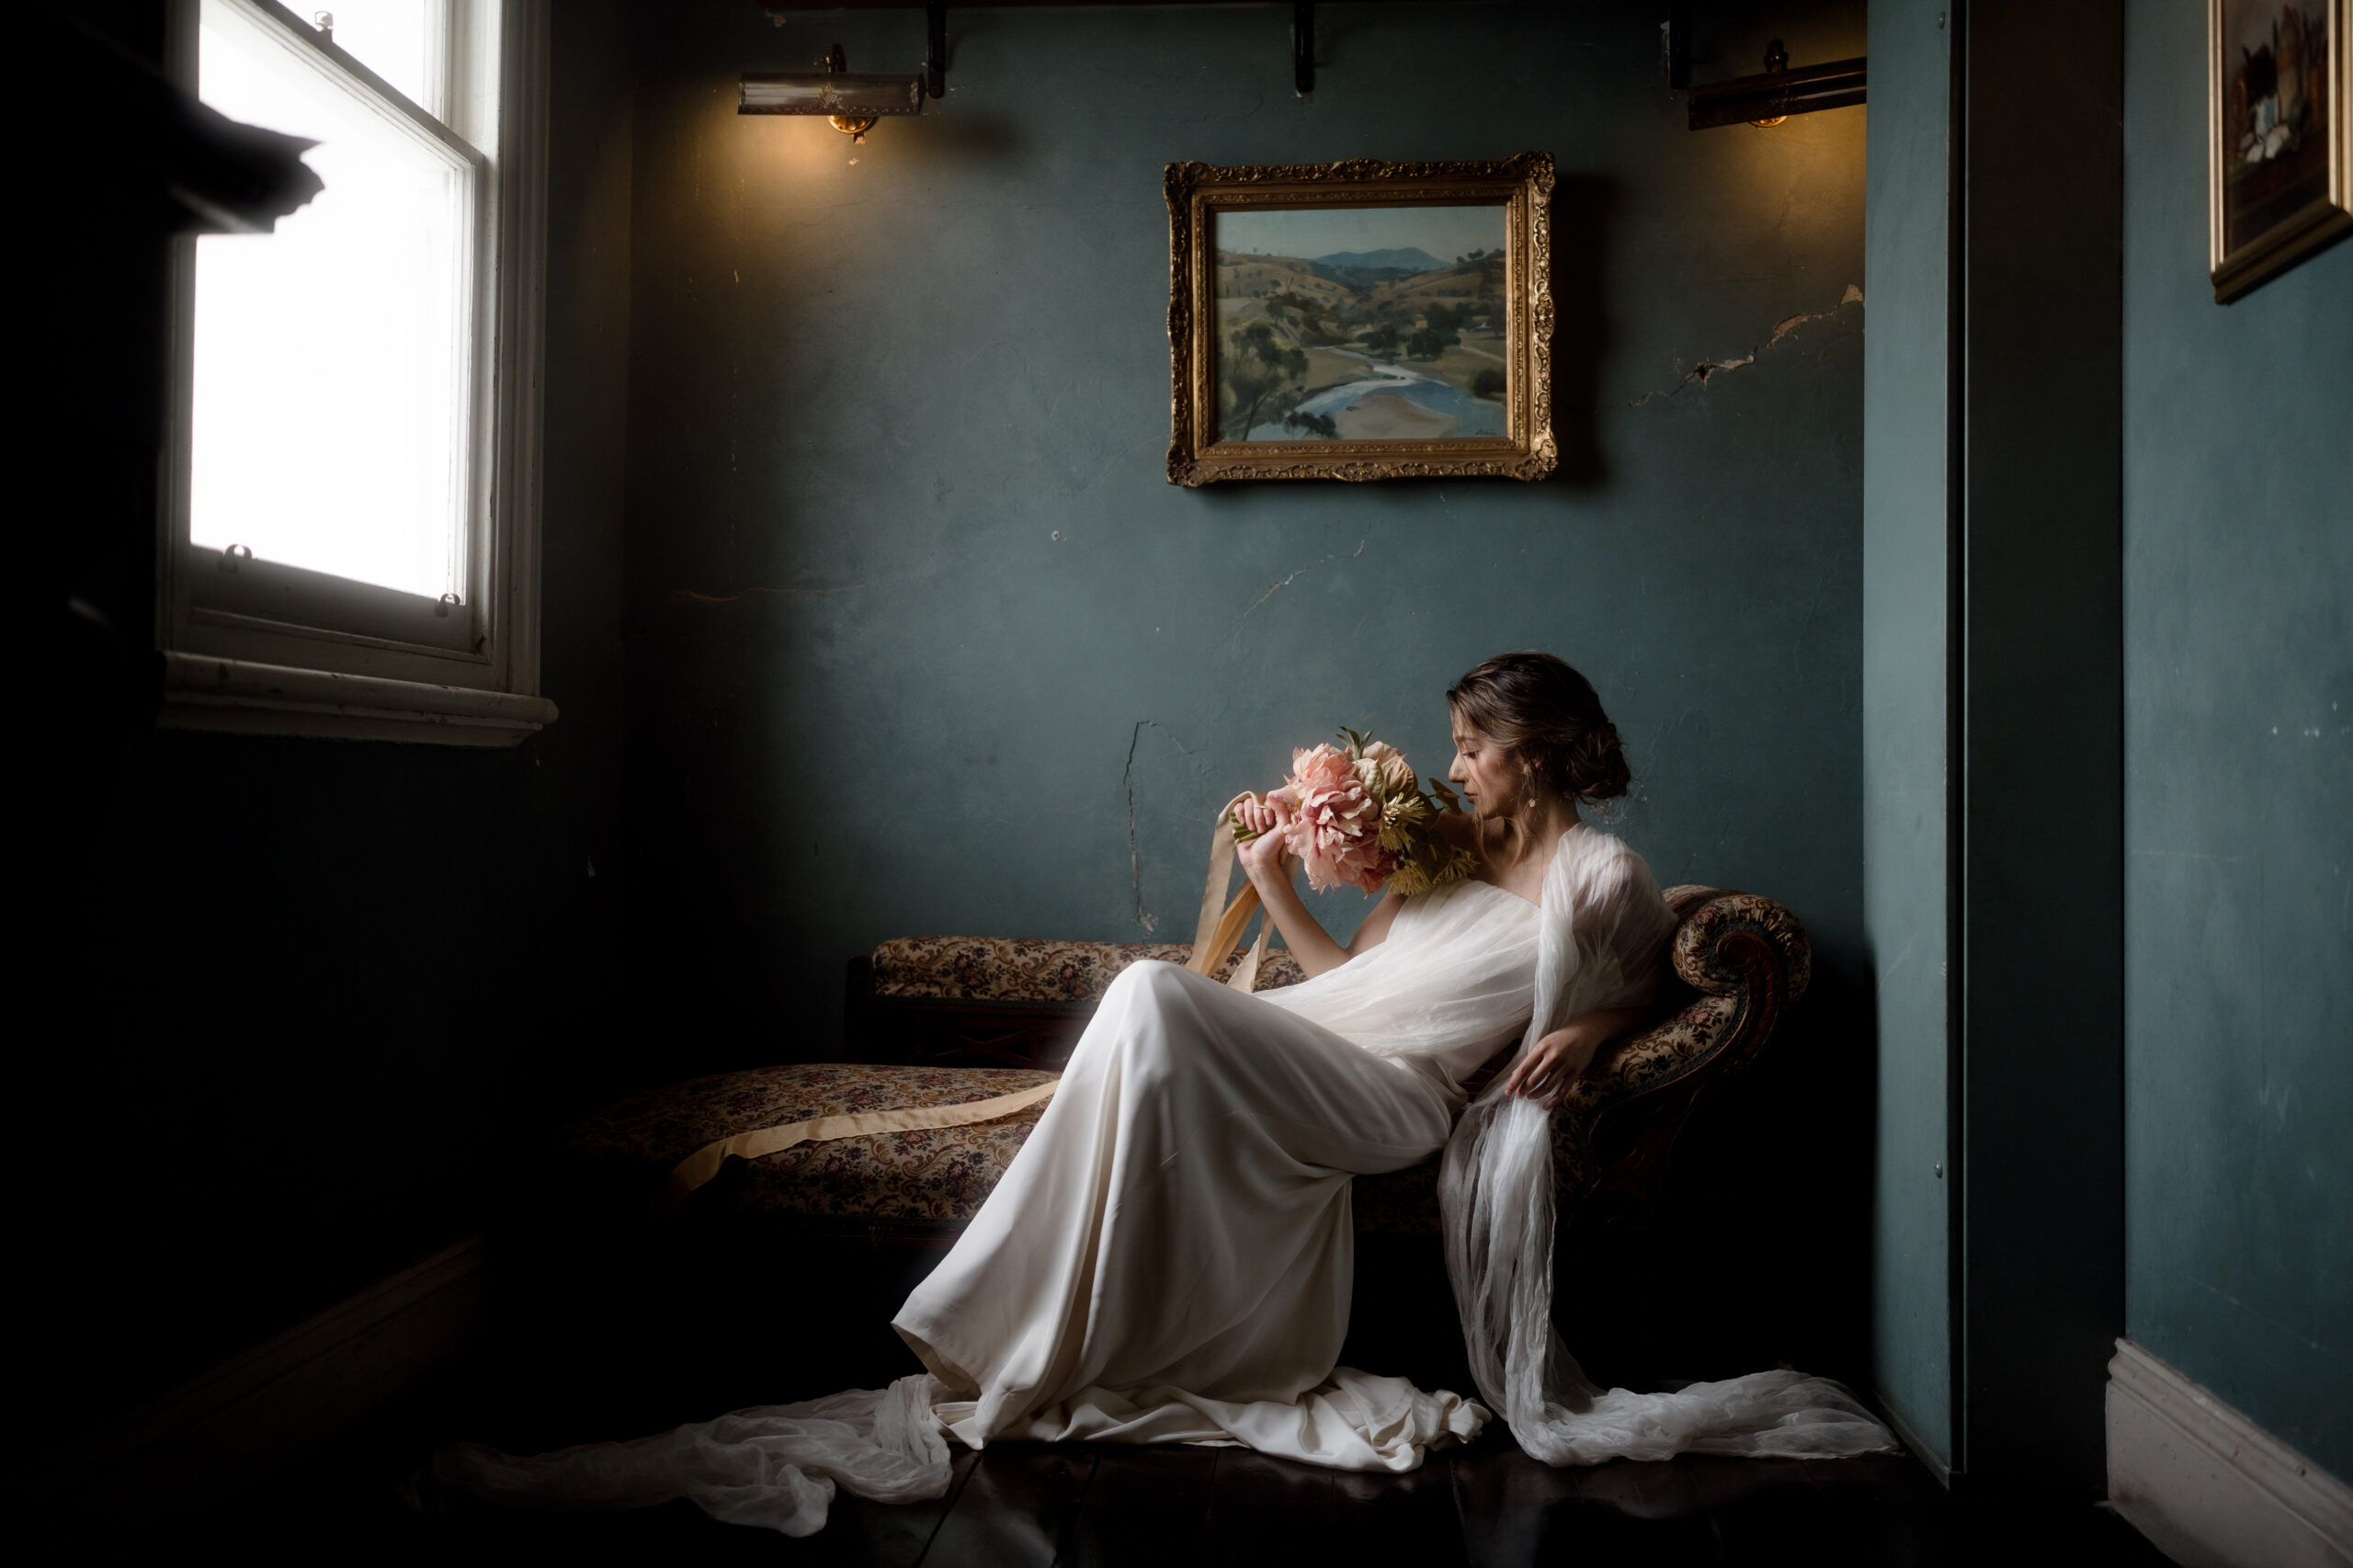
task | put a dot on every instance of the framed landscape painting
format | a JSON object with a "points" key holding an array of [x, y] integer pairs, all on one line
{"points": [[1360, 320], [2277, 133]]}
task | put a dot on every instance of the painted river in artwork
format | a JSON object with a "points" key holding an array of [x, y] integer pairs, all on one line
{"points": [[1396, 403]]}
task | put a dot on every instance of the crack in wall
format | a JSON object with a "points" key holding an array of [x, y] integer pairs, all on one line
{"points": [[688, 595], [1135, 859], [1274, 588], [1706, 370]]}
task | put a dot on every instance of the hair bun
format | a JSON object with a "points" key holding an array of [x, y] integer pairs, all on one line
{"points": [[1596, 764]]}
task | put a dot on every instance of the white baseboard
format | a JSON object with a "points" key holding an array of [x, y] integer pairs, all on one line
{"points": [[247, 1417], [2209, 1487]]}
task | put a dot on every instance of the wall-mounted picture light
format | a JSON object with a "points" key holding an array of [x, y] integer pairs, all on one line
{"points": [[851, 101], [1769, 98]]}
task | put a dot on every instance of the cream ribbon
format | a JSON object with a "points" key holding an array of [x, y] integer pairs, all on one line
{"points": [[704, 1164], [1220, 926]]}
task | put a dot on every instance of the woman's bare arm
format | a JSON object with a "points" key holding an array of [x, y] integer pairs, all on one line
{"points": [[1309, 942], [1271, 870], [1375, 927]]}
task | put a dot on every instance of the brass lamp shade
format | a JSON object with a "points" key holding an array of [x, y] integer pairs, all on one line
{"points": [[847, 96], [1776, 94]]}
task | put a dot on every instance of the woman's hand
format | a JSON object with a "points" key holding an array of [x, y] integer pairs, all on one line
{"points": [[1269, 866], [1264, 858], [1559, 1059]]}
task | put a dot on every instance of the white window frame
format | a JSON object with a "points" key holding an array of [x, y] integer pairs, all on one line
{"points": [[320, 665]]}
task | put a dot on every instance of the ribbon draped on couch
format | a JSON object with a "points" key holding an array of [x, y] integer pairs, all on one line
{"points": [[1220, 925]]}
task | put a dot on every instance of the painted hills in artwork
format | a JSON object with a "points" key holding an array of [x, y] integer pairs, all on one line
{"points": [[1375, 266], [1413, 258], [1389, 344]]}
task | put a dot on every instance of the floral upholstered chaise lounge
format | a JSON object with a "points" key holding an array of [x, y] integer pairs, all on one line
{"points": [[944, 1020]]}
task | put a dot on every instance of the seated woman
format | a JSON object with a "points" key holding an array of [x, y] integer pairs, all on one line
{"points": [[1169, 1258]]}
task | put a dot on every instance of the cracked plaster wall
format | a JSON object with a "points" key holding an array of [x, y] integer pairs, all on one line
{"points": [[922, 641]]}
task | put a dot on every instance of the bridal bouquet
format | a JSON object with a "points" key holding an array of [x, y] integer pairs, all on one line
{"points": [[1358, 819]]}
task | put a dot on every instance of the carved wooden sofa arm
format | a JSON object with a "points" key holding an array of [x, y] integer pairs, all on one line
{"points": [[1747, 959]]}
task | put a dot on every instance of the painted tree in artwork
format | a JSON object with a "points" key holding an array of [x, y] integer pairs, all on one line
{"points": [[1260, 367]]}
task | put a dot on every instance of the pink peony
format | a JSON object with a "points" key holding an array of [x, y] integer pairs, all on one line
{"points": [[1336, 824]]}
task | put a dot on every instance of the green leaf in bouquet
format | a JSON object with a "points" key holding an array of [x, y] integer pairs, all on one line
{"points": [[1446, 798]]}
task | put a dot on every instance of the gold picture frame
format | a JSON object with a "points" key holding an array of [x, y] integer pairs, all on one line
{"points": [[1371, 359], [2280, 156]]}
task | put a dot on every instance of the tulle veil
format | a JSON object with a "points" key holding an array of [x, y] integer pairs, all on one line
{"points": [[1605, 929]]}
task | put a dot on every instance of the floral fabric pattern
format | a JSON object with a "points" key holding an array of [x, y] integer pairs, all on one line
{"points": [[1029, 969], [933, 1175]]}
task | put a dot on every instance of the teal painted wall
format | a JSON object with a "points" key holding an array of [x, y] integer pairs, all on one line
{"points": [[2238, 575], [923, 642], [1905, 761]]}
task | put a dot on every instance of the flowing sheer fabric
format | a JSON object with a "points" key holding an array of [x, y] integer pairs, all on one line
{"points": [[774, 1465], [1205, 1136], [1604, 930]]}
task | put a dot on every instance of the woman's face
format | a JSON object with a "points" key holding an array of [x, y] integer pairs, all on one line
{"points": [[1490, 779]]}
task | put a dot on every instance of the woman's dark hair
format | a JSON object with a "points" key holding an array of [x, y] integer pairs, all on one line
{"points": [[1542, 712]]}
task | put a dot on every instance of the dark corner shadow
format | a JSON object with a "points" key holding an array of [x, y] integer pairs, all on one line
{"points": [[1581, 208], [1864, 1093], [1770, 1181]]}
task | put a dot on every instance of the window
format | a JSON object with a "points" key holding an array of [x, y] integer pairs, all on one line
{"points": [[351, 545]]}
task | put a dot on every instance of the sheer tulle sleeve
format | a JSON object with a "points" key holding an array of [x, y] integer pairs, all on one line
{"points": [[1606, 927], [1619, 923]]}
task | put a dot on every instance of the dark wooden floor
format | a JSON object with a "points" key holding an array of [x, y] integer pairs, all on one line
{"points": [[1023, 1503], [587, 1359]]}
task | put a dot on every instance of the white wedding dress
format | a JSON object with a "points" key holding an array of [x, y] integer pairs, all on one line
{"points": [[1169, 1257]]}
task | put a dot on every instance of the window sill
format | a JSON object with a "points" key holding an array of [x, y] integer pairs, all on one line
{"points": [[202, 692]]}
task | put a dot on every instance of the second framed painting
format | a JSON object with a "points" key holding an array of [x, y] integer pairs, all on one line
{"points": [[1360, 320], [2279, 136]]}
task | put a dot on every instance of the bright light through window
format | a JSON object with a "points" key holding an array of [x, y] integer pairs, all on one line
{"points": [[330, 409], [398, 40]]}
